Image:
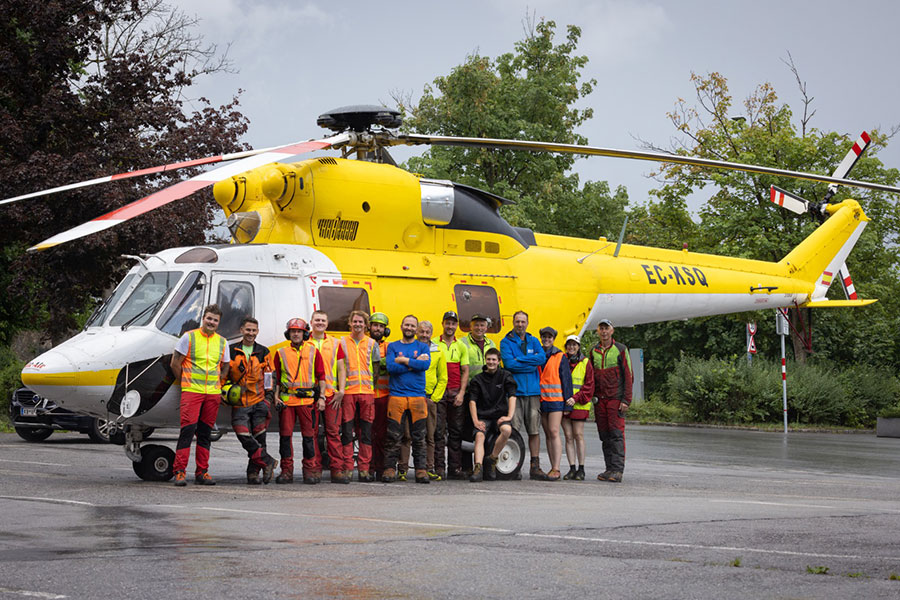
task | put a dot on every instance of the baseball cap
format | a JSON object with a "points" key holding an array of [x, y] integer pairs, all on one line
{"points": [[450, 315], [549, 330], [478, 317], [604, 322]]}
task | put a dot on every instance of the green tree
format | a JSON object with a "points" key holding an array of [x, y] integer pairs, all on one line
{"points": [[528, 94]]}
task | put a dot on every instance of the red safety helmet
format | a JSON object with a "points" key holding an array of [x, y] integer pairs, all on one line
{"points": [[296, 323]]}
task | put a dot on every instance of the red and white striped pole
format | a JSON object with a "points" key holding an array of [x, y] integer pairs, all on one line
{"points": [[782, 331]]}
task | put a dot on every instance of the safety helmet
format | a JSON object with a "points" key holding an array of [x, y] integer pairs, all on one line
{"points": [[379, 318], [296, 324], [231, 394]]}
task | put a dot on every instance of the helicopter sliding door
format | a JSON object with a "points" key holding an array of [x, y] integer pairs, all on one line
{"points": [[237, 294], [337, 296]]}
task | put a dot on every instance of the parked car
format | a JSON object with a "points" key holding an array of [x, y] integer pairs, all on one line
{"points": [[35, 418]]}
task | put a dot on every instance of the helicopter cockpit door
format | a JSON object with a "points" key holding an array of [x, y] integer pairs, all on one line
{"points": [[238, 295]]}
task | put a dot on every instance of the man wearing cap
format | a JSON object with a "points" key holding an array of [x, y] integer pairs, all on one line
{"points": [[451, 406], [379, 331], [477, 344], [578, 407], [523, 356], [556, 389], [612, 396]]}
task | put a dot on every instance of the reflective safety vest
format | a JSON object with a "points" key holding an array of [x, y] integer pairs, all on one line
{"points": [[578, 374], [328, 347], [200, 367], [476, 355], [358, 358], [298, 374], [383, 385], [551, 386], [249, 372]]}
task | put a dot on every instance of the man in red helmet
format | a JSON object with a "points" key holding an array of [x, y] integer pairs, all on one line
{"points": [[300, 374]]}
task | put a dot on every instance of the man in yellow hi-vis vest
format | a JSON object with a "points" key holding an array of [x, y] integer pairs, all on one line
{"points": [[200, 363]]}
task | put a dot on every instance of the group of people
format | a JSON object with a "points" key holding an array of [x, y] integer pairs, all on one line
{"points": [[407, 397]]}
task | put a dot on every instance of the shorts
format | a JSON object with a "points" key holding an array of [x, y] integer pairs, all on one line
{"points": [[527, 417], [491, 426], [578, 414], [551, 407]]}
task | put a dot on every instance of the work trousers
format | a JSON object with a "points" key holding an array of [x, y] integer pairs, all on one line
{"points": [[334, 419], [400, 409], [379, 432], [198, 416], [250, 424], [455, 418], [430, 441], [359, 412], [611, 427], [308, 416]]}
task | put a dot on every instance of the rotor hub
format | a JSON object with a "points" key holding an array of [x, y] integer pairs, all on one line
{"points": [[359, 118]]}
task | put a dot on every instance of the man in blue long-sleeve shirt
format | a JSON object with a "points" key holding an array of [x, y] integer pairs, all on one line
{"points": [[522, 356], [407, 361]]}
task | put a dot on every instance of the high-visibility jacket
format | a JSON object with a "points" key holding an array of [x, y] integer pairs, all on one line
{"points": [[359, 360], [551, 384], [298, 374], [612, 372], [328, 346], [457, 356], [578, 380], [249, 371], [200, 370], [436, 375], [476, 354], [383, 385]]}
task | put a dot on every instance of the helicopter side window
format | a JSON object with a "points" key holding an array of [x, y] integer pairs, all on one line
{"points": [[235, 298], [183, 312], [146, 299], [477, 300], [337, 302], [103, 310]]}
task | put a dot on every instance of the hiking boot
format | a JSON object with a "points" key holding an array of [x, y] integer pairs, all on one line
{"points": [[269, 469], [579, 474], [422, 476], [337, 477], [316, 476], [571, 474], [389, 475], [615, 477], [477, 474], [180, 479], [604, 476], [204, 478], [285, 477], [310, 479], [457, 474], [553, 475], [366, 477], [253, 479], [490, 469], [433, 476], [536, 473]]}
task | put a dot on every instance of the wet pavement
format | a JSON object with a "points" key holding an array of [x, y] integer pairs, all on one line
{"points": [[701, 513]]}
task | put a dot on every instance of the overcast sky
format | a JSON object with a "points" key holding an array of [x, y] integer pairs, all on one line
{"points": [[299, 59]]}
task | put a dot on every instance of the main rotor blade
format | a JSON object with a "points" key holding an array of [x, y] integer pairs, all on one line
{"points": [[185, 188], [140, 172], [439, 140]]}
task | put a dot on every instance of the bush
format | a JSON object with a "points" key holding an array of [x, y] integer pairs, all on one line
{"points": [[871, 391], [10, 380], [656, 410], [892, 412]]}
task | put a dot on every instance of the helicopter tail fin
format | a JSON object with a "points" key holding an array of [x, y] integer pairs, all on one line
{"points": [[819, 257]]}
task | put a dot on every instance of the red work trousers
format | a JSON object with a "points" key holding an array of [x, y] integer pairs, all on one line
{"points": [[309, 428], [198, 415], [611, 427], [334, 419], [379, 433], [359, 412]]}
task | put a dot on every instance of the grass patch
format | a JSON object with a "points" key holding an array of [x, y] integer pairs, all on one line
{"points": [[736, 562], [817, 570]]}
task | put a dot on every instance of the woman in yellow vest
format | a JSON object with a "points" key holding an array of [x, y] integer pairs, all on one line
{"points": [[200, 362], [578, 407]]}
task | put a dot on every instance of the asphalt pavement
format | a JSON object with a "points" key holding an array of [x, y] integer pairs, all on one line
{"points": [[702, 513]]}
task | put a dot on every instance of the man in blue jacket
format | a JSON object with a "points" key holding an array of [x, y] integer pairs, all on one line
{"points": [[522, 356], [407, 361]]}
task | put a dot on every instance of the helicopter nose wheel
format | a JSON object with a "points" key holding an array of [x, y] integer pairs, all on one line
{"points": [[155, 464]]}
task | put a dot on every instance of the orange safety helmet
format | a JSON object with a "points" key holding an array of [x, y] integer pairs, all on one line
{"points": [[296, 323]]}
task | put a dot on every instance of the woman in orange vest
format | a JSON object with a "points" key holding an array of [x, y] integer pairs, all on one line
{"points": [[556, 388], [200, 362]]}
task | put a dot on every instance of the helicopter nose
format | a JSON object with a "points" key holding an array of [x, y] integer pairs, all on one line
{"points": [[50, 374]]}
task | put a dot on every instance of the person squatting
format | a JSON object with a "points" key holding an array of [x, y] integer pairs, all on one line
{"points": [[415, 396]]}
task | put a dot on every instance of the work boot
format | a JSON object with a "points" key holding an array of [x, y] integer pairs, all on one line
{"points": [[310, 478], [269, 469], [615, 477], [433, 475], [477, 474], [337, 476], [457, 474], [604, 476], [366, 477], [571, 474], [536, 473], [579, 474], [253, 475], [389, 475], [180, 479], [422, 476], [285, 477], [490, 469], [441, 475], [204, 478]]}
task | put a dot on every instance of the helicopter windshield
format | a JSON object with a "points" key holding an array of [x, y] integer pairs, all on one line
{"points": [[183, 312], [149, 295], [103, 310]]}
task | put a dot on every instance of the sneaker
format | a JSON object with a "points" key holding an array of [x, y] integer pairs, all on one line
{"points": [[571, 474], [553, 475], [579, 474], [604, 476], [615, 477], [366, 477], [477, 474], [490, 469], [389, 475], [180, 479], [441, 474], [422, 476], [204, 478], [433, 476], [285, 478], [269, 469], [401, 475]]}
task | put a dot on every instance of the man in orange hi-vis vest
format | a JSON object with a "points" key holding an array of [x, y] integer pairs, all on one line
{"points": [[200, 363], [362, 359], [335, 379]]}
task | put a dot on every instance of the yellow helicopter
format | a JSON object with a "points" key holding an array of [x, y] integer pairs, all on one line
{"points": [[357, 232]]}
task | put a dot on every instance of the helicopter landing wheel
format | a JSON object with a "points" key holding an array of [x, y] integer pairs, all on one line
{"points": [[155, 464]]}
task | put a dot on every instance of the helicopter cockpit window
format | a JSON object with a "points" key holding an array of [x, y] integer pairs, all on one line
{"points": [[477, 300], [235, 298], [337, 302], [103, 310], [146, 299], [183, 312]]}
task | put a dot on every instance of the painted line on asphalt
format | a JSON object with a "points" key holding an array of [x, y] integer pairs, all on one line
{"points": [[760, 502], [702, 547], [33, 462], [31, 594], [50, 500]]}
